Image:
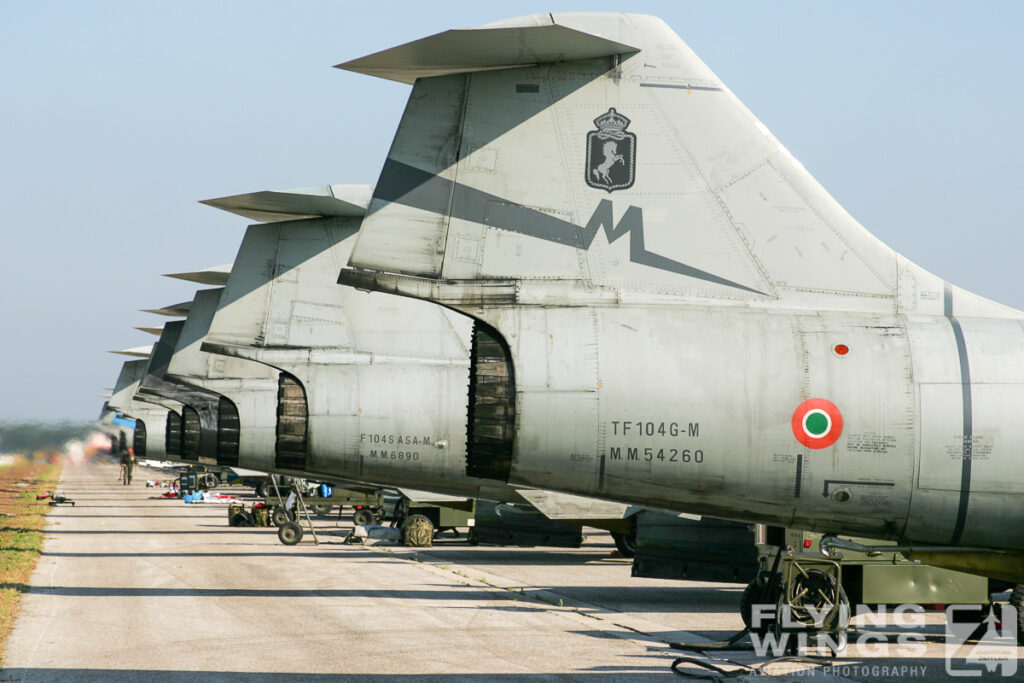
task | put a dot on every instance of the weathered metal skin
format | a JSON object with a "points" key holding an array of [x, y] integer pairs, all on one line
{"points": [[385, 378], [711, 431], [746, 316], [206, 378]]}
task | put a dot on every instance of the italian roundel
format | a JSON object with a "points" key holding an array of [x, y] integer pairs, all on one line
{"points": [[817, 423]]}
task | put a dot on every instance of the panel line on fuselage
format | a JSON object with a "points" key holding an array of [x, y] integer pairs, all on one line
{"points": [[968, 429]]}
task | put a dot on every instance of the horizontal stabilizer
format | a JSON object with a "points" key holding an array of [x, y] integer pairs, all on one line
{"points": [[136, 351], [271, 206], [214, 275], [155, 331], [172, 311], [526, 41]]}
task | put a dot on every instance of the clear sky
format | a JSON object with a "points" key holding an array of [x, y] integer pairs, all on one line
{"points": [[117, 117]]}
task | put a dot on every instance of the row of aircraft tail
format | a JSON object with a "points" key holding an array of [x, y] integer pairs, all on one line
{"points": [[588, 278]]}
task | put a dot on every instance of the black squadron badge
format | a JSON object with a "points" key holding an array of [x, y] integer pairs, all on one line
{"points": [[611, 153]]}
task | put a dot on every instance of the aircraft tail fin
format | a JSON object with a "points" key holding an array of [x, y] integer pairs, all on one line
{"points": [[128, 380], [625, 165]]}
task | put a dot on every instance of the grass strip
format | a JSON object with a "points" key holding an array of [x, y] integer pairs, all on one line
{"points": [[21, 537]]}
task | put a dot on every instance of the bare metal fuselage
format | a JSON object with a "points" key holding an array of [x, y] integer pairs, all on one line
{"points": [[692, 407]]}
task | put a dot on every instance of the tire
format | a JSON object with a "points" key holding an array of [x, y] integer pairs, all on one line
{"points": [[364, 516], [472, 538], [417, 531], [625, 543], [261, 489], [290, 533], [751, 593], [322, 510], [1017, 600], [279, 516]]}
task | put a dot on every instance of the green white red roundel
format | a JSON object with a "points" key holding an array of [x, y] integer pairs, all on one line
{"points": [[817, 423]]}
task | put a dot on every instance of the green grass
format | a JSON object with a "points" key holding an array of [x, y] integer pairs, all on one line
{"points": [[21, 538]]}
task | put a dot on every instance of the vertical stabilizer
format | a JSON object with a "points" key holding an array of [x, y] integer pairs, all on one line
{"points": [[635, 171]]}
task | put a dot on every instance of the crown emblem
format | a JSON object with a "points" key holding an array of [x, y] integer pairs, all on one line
{"points": [[611, 125]]}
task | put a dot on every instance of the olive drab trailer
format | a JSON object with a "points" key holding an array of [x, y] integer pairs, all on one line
{"points": [[881, 578], [707, 549], [790, 582], [367, 503], [808, 588]]}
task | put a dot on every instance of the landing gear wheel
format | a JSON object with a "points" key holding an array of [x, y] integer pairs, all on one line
{"points": [[322, 510], [1017, 600], [279, 516], [472, 538], [290, 533], [417, 531], [625, 543], [378, 515]]}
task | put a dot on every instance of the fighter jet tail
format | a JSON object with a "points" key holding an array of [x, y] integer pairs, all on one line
{"points": [[617, 166]]}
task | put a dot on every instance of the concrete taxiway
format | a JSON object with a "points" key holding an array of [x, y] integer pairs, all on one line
{"points": [[133, 587]]}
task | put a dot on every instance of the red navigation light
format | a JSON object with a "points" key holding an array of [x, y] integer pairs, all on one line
{"points": [[841, 349], [807, 543]]}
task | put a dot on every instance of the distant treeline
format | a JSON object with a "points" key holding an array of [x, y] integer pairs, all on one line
{"points": [[26, 437]]}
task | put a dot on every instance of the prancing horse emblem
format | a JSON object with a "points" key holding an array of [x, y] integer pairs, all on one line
{"points": [[611, 153]]}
